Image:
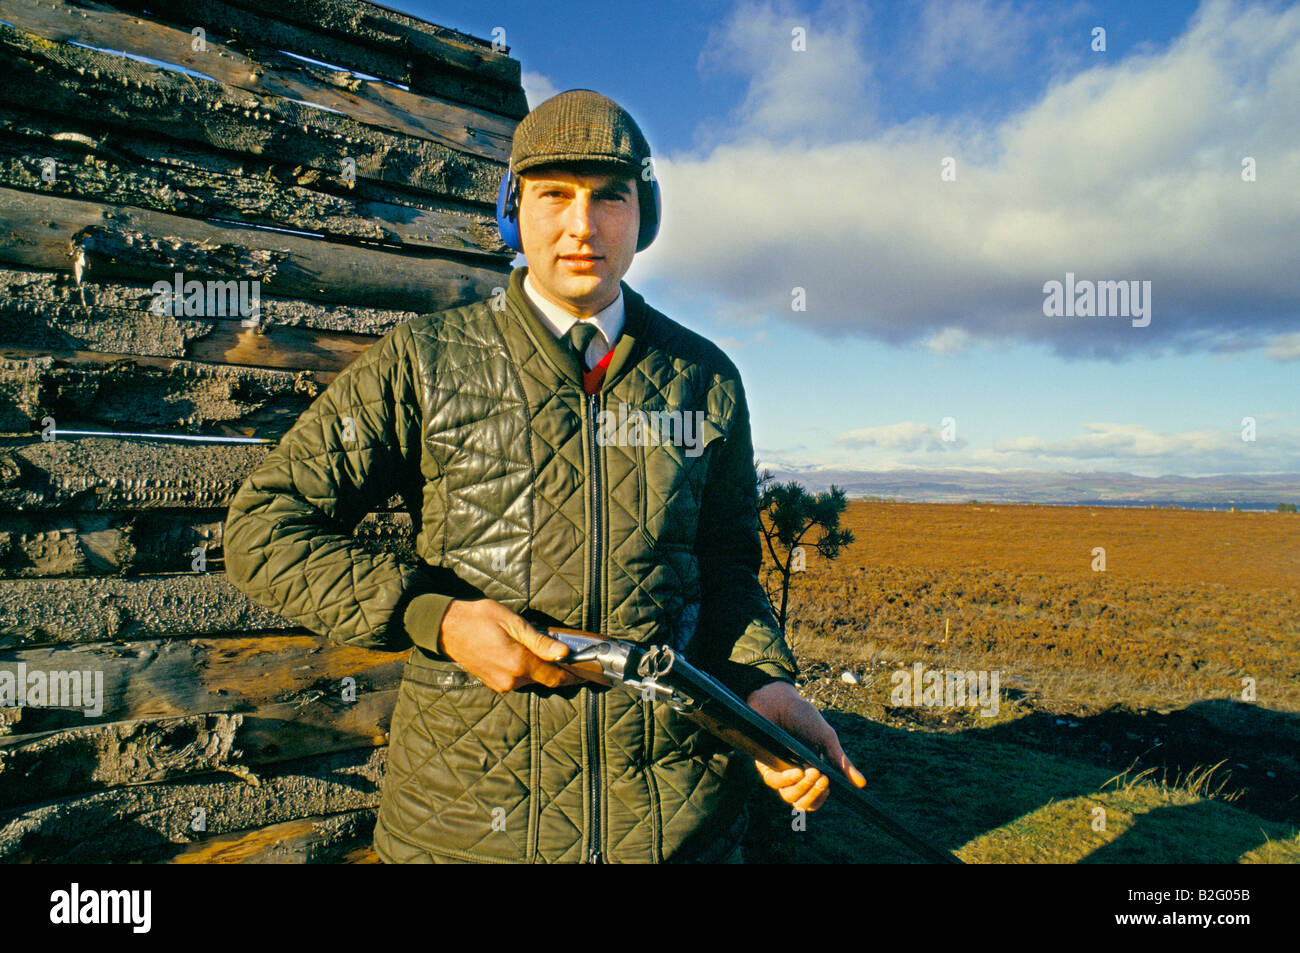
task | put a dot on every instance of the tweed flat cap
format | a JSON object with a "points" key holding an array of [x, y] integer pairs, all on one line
{"points": [[578, 125]]}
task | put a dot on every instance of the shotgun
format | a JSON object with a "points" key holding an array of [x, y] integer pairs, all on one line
{"points": [[658, 674]]}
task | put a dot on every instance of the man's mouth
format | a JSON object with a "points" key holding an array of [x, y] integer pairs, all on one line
{"points": [[581, 262]]}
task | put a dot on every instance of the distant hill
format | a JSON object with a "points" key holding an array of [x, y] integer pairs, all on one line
{"points": [[1032, 486]]}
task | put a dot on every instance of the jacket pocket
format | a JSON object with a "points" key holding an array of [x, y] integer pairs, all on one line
{"points": [[460, 766], [435, 673], [670, 480]]}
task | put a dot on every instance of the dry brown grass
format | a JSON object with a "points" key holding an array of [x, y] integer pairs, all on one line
{"points": [[1120, 690], [1190, 603]]}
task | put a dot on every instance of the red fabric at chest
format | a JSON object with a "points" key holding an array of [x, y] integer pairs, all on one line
{"points": [[592, 379]]}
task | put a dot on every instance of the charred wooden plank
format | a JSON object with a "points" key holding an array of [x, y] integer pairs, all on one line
{"points": [[109, 474], [67, 328], [144, 678], [156, 255], [286, 347], [48, 765], [108, 243], [475, 131], [145, 822], [51, 545], [425, 70], [334, 839], [148, 542], [141, 99], [348, 319], [364, 853], [48, 309], [74, 160], [41, 612], [113, 474], [123, 392], [385, 28]]}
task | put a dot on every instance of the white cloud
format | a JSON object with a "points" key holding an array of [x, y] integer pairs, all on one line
{"points": [[949, 341], [1129, 169], [1100, 447], [814, 93], [1138, 448], [538, 88], [1121, 440], [973, 35], [908, 435], [1285, 347]]}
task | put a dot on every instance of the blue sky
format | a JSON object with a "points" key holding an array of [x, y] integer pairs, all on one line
{"points": [[821, 168]]}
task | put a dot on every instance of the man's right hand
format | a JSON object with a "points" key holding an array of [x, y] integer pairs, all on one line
{"points": [[501, 649]]}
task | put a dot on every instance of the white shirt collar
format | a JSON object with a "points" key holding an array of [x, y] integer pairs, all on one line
{"points": [[608, 320]]}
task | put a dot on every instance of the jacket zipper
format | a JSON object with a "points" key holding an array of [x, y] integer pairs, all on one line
{"points": [[593, 625]]}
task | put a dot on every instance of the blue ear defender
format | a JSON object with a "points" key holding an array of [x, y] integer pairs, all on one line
{"points": [[508, 213]]}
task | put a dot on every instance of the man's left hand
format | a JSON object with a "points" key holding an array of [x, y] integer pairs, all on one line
{"points": [[803, 788]]}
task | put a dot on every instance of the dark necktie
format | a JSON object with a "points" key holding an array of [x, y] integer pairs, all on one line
{"points": [[580, 336]]}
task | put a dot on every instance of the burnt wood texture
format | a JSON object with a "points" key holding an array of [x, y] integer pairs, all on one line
{"points": [[208, 208]]}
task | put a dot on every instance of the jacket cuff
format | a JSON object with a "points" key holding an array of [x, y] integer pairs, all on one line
{"points": [[423, 619], [744, 680]]}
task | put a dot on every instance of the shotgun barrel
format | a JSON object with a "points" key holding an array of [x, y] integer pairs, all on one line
{"points": [[659, 674]]}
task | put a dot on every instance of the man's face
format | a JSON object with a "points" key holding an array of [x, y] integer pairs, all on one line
{"points": [[579, 234]]}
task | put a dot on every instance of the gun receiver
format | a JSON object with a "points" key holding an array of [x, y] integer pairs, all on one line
{"points": [[659, 674]]}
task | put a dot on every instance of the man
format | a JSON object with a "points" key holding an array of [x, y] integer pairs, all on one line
{"points": [[495, 423]]}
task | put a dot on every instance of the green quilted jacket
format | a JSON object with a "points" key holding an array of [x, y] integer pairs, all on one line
{"points": [[568, 508]]}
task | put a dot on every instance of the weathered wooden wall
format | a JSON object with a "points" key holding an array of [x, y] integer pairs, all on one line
{"points": [[344, 155]]}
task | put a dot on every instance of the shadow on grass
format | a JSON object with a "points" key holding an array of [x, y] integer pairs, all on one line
{"points": [[1259, 748], [1187, 834], [956, 787]]}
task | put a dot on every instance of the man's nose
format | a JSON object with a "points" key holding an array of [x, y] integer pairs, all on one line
{"points": [[580, 224]]}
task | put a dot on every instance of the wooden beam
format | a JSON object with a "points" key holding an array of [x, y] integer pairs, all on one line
{"points": [[164, 176], [58, 611], [111, 243], [68, 328], [116, 474], [148, 542], [268, 73], [48, 311], [143, 99], [146, 822], [431, 71], [334, 839], [116, 317], [53, 544], [303, 348], [385, 28], [54, 764], [122, 474], [92, 390], [144, 678]]}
